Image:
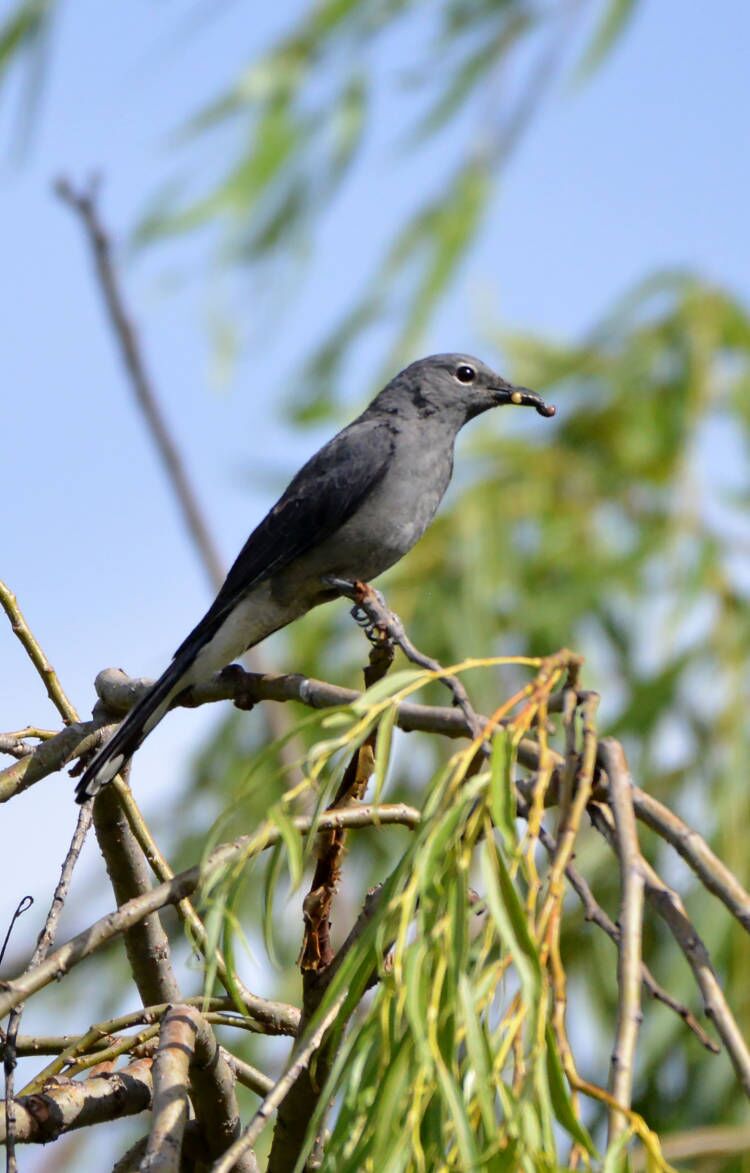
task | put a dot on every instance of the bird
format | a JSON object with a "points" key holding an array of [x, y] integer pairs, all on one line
{"points": [[352, 511]]}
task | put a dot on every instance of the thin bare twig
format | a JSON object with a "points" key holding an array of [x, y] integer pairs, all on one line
{"points": [[593, 912], [187, 913], [670, 908], [21, 629], [83, 203], [709, 869], [101, 1038], [631, 933], [47, 936], [300, 1061]]}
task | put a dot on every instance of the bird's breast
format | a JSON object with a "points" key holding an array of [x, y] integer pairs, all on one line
{"points": [[393, 516]]}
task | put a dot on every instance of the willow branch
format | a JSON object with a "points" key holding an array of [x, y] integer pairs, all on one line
{"points": [[120, 692], [631, 934], [170, 1098], [184, 884], [670, 908], [73, 1104], [20, 628], [713, 874]]}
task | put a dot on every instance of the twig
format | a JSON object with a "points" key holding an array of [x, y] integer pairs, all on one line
{"points": [[283, 1019], [83, 202], [184, 884], [594, 913], [120, 692], [316, 953], [44, 943], [146, 942], [15, 744], [249, 1076], [631, 933], [213, 1085], [20, 628], [280, 1090], [187, 913], [302, 1097], [24, 904], [709, 869], [670, 908]]}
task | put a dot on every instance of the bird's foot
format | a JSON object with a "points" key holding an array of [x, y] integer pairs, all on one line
{"points": [[360, 593]]}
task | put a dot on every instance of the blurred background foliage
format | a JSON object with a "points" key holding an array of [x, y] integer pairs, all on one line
{"points": [[613, 530]]}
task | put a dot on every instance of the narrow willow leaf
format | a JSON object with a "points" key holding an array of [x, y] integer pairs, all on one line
{"points": [[384, 689], [292, 841], [506, 908], [214, 923], [561, 1101], [383, 750], [502, 790], [464, 1133], [616, 15], [479, 1056], [268, 918]]}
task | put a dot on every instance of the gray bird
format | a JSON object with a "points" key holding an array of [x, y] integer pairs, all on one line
{"points": [[355, 508]]}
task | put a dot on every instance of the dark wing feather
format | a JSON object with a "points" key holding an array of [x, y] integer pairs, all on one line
{"points": [[322, 497]]}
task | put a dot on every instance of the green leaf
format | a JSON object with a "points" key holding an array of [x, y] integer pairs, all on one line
{"points": [[615, 17], [502, 792], [561, 1102], [507, 911], [383, 743]]}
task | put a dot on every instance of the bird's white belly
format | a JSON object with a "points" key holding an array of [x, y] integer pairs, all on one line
{"points": [[249, 621]]}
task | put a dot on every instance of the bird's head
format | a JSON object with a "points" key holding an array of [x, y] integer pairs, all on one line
{"points": [[456, 386]]}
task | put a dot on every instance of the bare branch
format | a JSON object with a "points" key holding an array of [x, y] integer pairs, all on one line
{"points": [[213, 1084], [187, 913], [301, 1060], [693, 848], [631, 934], [179, 1027], [101, 1038], [20, 628], [672, 911], [71, 1104], [184, 884], [120, 692], [83, 202]]}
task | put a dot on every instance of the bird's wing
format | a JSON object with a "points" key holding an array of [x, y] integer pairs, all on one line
{"points": [[322, 497]]}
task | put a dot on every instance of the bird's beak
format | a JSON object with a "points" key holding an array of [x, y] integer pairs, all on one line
{"points": [[521, 396]]}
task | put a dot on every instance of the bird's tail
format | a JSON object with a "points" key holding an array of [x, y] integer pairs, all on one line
{"points": [[133, 730]]}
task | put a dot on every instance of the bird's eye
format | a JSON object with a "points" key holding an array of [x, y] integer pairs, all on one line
{"points": [[465, 374]]}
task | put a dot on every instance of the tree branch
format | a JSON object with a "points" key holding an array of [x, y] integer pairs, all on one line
{"points": [[72, 1104], [631, 932], [184, 884]]}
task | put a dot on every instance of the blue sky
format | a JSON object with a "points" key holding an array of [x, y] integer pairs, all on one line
{"points": [[646, 166]]}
